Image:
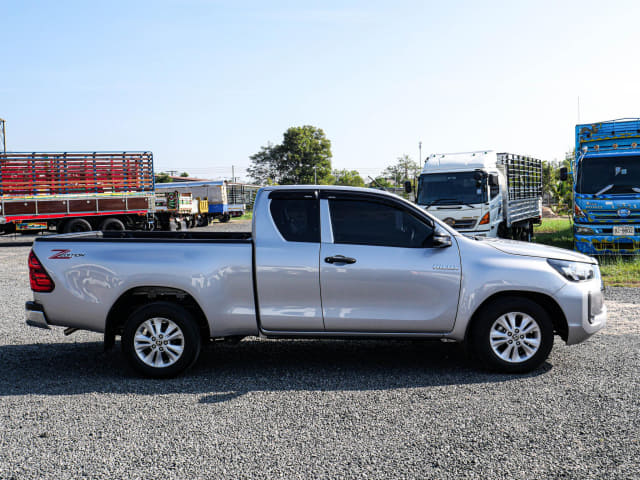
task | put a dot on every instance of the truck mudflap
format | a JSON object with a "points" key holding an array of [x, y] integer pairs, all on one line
{"points": [[35, 316]]}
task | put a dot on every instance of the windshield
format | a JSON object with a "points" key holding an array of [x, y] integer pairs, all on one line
{"points": [[620, 174], [451, 188]]}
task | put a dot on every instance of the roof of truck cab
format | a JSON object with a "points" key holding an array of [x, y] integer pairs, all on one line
{"points": [[460, 161]]}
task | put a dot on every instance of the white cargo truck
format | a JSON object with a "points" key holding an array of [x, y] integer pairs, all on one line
{"points": [[483, 193]]}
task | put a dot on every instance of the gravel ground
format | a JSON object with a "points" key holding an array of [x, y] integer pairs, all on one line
{"points": [[314, 409]]}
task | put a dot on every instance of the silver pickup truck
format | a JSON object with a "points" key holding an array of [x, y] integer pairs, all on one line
{"points": [[321, 262]]}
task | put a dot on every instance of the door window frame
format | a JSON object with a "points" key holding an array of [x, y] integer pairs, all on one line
{"points": [[326, 226]]}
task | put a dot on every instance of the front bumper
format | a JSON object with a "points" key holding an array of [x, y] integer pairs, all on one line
{"points": [[603, 244], [35, 316], [584, 308]]}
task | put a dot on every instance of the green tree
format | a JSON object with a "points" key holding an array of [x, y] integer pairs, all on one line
{"points": [[303, 157], [404, 169], [350, 178], [184, 174], [560, 192], [163, 177], [379, 182], [550, 179], [565, 189]]}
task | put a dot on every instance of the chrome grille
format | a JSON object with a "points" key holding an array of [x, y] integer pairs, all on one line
{"points": [[464, 224], [612, 215]]}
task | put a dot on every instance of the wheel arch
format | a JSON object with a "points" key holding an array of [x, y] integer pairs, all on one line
{"points": [[141, 295], [557, 316]]}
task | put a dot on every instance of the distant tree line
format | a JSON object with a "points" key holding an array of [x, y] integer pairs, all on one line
{"points": [[304, 157]]}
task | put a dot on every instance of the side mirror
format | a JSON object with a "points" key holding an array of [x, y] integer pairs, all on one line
{"points": [[493, 180], [407, 187], [441, 239], [563, 174]]}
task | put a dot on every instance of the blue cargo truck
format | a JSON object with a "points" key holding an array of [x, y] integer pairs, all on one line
{"points": [[606, 175]]}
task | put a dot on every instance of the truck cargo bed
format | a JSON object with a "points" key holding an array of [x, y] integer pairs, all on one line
{"points": [[145, 236]]}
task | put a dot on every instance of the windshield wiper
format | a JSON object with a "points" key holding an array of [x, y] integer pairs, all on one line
{"points": [[605, 189], [438, 200], [453, 201]]}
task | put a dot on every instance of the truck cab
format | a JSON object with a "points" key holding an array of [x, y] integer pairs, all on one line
{"points": [[483, 193], [607, 188]]}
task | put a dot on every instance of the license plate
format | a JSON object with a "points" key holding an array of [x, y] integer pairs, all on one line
{"points": [[623, 230]]}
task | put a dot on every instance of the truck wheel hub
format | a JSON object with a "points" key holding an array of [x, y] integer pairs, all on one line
{"points": [[515, 337], [159, 342]]}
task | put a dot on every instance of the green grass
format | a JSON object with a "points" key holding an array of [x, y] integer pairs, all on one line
{"points": [[556, 232], [617, 271], [247, 216], [620, 271]]}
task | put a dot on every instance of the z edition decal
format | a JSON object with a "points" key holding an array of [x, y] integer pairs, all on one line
{"points": [[64, 254]]}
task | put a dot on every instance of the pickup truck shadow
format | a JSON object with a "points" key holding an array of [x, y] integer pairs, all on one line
{"points": [[226, 371]]}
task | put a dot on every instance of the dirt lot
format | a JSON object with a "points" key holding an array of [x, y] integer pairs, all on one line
{"points": [[314, 409]]}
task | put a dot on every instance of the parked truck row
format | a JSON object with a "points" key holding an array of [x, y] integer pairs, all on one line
{"points": [[83, 191]]}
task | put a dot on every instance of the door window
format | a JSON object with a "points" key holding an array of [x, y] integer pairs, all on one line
{"points": [[297, 217], [369, 222]]}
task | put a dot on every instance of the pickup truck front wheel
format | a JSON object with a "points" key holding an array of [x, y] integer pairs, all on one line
{"points": [[512, 335], [160, 340]]}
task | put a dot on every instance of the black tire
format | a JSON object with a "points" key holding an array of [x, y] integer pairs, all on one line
{"points": [[166, 315], [112, 224], [76, 225], [225, 218], [486, 326]]}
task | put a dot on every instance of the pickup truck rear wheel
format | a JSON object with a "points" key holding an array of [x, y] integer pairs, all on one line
{"points": [[161, 339], [512, 335]]}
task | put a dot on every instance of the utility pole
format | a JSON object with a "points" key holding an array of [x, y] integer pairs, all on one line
{"points": [[420, 153], [233, 174], [3, 139], [315, 174]]}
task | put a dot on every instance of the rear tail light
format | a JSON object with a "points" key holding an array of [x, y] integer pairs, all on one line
{"points": [[38, 276]]}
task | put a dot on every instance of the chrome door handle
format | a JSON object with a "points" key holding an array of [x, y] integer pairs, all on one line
{"points": [[340, 259]]}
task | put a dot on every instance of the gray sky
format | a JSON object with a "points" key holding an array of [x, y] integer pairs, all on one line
{"points": [[204, 84]]}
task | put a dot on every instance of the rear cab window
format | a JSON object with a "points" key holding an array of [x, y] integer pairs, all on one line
{"points": [[296, 215]]}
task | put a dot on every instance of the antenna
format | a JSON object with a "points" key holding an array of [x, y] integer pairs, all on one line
{"points": [[578, 108]]}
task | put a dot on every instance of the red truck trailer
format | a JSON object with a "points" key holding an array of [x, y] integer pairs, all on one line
{"points": [[76, 191]]}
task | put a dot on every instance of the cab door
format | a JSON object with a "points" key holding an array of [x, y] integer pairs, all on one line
{"points": [[287, 262], [379, 271]]}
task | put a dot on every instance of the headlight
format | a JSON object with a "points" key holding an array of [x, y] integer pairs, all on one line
{"points": [[574, 271], [583, 230]]}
